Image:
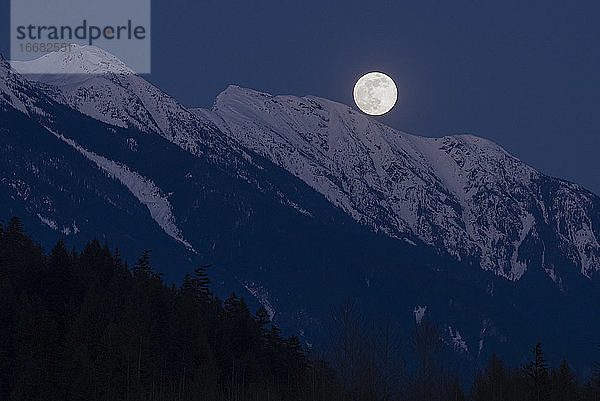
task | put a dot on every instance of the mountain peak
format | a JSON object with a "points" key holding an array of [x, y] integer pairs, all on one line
{"points": [[238, 94], [76, 59], [232, 88], [462, 194]]}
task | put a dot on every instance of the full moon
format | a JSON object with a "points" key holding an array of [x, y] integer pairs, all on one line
{"points": [[375, 93]]}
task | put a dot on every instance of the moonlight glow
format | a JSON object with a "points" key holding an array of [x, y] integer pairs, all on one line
{"points": [[375, 93]]}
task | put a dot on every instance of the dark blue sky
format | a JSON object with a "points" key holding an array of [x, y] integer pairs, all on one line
{"points": [[524, 74]]}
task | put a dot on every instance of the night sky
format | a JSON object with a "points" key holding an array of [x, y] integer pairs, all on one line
{"points": [[523, 74]]}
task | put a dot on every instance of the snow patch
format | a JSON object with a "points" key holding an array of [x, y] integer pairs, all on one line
{"points": [[419, 312], [518, 268], [132, 144], [262, 295], [410, 242], [49, 222], [144, 189], [458, 342]]}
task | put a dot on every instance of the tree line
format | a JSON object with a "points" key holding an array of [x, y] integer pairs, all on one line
{"points": [[86, 326]]}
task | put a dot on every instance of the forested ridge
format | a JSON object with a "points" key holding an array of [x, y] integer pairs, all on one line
{"points": [[85, 326]]}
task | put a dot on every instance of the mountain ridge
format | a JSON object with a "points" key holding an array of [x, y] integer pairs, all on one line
{"points": [[461, 170], [461, 194], [254, 202]]}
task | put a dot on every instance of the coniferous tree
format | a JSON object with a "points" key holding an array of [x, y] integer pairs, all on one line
{"points": [[187, 286], [202, 282], [454, 392], [83, 326], [491, 385], [262, 320], [536, 372], [262, 317], [58, 284], [15, 231], [142, 268], [563, 384], [427, 345]]}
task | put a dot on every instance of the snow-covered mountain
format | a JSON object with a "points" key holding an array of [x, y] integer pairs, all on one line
{"points": [[17, 92], [462, 194], [71, 176], [301, 203], [76, 59], [99, 85]]}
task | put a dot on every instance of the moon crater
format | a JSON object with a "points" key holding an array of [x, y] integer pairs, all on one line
{"points": [[375, 93]]}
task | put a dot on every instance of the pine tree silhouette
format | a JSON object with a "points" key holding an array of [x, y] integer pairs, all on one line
{"points": [[142, 268], [537, 372]]}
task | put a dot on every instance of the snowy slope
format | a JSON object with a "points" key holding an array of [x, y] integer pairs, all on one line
{"points": [[287, 230], [146, 191], [98, 84], [83, 60], [462, 194], [33, 100], [17, 92]]}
